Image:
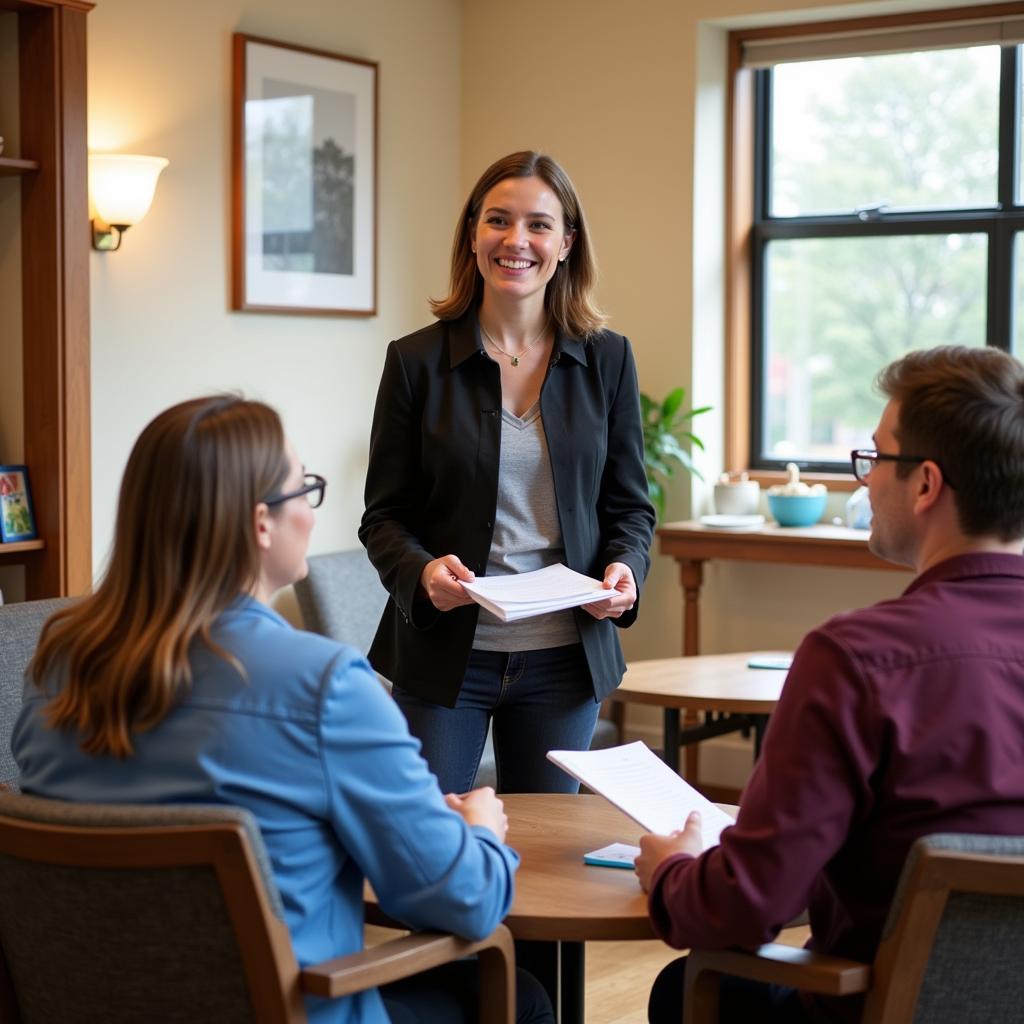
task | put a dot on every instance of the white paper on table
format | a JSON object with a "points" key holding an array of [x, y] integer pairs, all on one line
{"points": [[521, 595], [640, 784]]}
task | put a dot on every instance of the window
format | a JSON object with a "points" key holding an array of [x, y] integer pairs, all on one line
{"points": [[885, 211]]}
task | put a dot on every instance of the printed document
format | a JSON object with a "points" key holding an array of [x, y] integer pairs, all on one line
{"points": [[640, 784], [533, 593]]}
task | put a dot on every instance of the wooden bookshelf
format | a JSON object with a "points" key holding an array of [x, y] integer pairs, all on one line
{"points": [[52, 163], [19, 547]]}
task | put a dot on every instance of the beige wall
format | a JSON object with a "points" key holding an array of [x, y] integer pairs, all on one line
{"points": [[159, 83], [629, 96]]}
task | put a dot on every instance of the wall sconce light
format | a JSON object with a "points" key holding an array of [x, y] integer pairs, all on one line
{"points": [[122, 190]]}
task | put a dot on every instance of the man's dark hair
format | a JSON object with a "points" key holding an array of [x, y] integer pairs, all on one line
{"points": [[963, 408]]}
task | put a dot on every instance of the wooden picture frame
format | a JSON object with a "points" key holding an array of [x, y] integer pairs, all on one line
{"points": [[17, 519], [304, 180]]}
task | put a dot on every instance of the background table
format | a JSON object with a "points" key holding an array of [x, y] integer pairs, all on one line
{"points": [[691, 544], [721, 685]]}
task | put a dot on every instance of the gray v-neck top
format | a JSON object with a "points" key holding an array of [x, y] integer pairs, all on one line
{"points": [[527, 535]]}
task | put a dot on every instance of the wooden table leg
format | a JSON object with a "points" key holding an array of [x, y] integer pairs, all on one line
{"points": [[572, 980], [670, 741], [561, 968], [691, 576]]}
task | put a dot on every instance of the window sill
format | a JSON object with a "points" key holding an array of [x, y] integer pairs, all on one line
{"points": [[833, 481]]}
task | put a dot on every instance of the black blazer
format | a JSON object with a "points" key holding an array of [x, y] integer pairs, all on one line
{"points": [[432, 486]]}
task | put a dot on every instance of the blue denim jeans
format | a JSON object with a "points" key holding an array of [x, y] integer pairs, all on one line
{"points": [[537, 700]]}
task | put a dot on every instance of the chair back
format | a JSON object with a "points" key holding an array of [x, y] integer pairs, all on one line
{"points": [[342, 597], [20, 625], [128, 913], [951, 949]]}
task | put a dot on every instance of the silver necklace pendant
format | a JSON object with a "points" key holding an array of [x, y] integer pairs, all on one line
{"points": [[515, 360]]}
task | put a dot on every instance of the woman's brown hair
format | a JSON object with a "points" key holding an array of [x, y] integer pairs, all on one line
{"points": [[569, 296], [184, 549]]}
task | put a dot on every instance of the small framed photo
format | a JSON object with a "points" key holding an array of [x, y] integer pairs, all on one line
{"points": [[17, 521], [304, 180]]}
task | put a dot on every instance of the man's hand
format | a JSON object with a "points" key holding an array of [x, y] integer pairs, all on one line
{"points": [[480, 807], [440, 582], [654, 849], [618, 580]]}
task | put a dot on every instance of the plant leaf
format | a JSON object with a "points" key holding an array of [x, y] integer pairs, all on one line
{"points": [[673, 400]]}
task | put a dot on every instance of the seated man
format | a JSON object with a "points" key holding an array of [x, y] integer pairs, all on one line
{"points": [[896, 721]]}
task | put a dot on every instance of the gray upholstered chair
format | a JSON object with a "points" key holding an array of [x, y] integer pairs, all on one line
{"points": [[342, 597], [19, 633], [121, 914], [950, 952]]}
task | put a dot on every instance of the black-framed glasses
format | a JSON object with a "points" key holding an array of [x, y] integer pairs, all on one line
{"points": [[863, 461], [313, 487]]}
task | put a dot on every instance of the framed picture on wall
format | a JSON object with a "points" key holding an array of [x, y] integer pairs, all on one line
{"points": [[304, 180], [17, 521]]}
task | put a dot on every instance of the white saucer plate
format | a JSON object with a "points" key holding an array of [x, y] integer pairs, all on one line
{"points": [[733, 522]]}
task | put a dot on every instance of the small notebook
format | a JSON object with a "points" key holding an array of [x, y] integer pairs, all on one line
{"points": [[615, 855]]}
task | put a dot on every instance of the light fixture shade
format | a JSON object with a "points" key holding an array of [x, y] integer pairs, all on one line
{"points": [[122, 186]]}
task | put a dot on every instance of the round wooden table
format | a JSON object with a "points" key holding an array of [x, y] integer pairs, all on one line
{"points": [[558, 897], [732, 695]]}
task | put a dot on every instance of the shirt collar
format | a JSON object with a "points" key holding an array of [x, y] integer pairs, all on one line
{"points": [[464, 341], [981, 563]]}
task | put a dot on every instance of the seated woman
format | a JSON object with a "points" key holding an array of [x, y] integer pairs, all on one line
{"points": [[175, 682]]}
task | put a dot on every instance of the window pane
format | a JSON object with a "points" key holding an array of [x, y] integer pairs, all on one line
{"points": [[1017, 335], [913, 130], [1019, 190], [838, 310]]}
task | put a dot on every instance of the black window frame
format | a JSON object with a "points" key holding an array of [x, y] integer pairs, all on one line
{"points": [[1001, 223]]}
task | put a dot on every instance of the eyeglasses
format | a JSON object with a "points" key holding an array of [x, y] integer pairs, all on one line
{"points": [[863, 461], [313, 486]]}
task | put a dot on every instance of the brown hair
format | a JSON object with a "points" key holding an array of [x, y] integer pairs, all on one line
{"points": [[184, 548], [569, 296], [963, 408]]}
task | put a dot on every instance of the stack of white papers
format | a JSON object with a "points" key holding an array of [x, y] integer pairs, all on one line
{"points": [[641, 785], [551, 589]]}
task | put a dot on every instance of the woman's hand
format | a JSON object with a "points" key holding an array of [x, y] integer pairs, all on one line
{"points": [[618, 578], [654, 849], [439, 581], [480, 807]]}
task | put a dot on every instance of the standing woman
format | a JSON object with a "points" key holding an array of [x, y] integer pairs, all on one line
{"points": [[507, 437]]}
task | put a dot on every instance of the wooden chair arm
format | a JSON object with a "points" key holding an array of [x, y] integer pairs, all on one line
{"points": [[773, 963], [786, 965], [418, 952]]}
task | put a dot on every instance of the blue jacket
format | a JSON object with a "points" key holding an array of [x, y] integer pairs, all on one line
{"points": [[315, 748]]}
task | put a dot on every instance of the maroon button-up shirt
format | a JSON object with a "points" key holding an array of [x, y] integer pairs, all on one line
{"points": [[896, 721]]}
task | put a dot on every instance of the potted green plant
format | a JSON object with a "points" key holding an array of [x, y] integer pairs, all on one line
{"points": [[666, 427]]}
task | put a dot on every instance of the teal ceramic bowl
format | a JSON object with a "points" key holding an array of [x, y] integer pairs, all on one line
{"points": [[797, 509]]}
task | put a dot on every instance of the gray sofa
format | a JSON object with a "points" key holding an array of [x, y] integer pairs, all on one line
{"points": [[19, 633]]}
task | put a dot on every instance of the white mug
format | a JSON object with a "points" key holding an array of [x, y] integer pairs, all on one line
{"points": [[739, 498]]}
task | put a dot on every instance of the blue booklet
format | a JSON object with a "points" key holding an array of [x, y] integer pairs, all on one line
{"points": [[615, 855]]}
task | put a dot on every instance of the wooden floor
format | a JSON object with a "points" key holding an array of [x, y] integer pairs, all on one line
{"points": [[619, 974]]}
